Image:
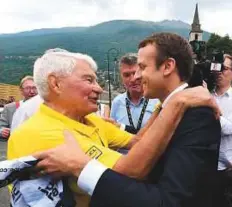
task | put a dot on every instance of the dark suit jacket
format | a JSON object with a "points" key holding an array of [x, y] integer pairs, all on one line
{"points": [[182, 176]]}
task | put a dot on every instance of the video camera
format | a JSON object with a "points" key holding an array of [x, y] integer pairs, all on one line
{"points": [[207, 66]]}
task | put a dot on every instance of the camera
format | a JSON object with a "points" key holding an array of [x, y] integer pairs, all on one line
{"points": [[206, 66]]}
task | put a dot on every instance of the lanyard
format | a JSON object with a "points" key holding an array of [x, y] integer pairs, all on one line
{"points": [[140, 117]]}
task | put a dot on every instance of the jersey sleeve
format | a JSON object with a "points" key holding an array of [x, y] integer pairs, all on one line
{"points": [[117, 138]]}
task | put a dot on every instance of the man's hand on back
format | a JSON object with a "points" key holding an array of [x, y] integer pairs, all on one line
{"points": [[66, 159]]}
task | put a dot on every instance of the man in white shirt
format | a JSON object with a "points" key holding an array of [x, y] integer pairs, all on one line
{"points": [[223, 96]]}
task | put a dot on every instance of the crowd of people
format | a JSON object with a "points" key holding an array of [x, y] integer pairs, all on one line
{"points": [[3, 102], [161, 143]]}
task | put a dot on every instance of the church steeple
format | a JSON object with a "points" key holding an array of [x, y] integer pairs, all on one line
{"points": [[196, 27], [196, 32], [196, 16]]}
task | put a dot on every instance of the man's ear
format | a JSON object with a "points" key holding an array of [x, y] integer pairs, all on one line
{"points": [[54, 83], [169, 66]]}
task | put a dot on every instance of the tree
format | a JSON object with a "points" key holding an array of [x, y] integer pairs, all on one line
{"points": [[218, 43]]}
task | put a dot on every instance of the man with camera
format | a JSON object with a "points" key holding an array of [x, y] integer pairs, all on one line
{"points": [[223, 96]]}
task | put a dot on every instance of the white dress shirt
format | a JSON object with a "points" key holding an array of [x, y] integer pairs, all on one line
{"points": [[93, 171], [225, 104], [25, 110]]}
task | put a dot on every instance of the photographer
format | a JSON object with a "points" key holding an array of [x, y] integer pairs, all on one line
{"points": [[223, 96]]}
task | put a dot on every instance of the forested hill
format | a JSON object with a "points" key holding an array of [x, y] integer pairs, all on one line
{"points": [[18, 51]]}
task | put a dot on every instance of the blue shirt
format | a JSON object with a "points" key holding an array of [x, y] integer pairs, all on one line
{"points": [[119, 111]]}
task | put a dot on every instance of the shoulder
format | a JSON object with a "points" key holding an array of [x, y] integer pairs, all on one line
{"points": [[102, 125], [30, 125], [10, 105], [153, 103], [119, 98], [31, 105], [198, 127], [38, 123], [95, 119], [33, 100], [22, 139], [200, 112], [36, 133], [199, 117]]}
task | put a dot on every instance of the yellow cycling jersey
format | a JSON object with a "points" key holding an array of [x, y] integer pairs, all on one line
{"points": [[44, 130]]}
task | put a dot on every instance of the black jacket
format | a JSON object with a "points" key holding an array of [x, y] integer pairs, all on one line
{"points": [[183, 177]]}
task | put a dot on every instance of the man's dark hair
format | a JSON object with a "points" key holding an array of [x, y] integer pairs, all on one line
{"points": [[128, 59], [170, 45]]}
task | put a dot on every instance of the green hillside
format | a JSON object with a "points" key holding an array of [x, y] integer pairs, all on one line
{"points": [[95, 41]]}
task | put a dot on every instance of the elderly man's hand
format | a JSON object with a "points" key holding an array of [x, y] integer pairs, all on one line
{"points": [[66, 159], [198, 96]]}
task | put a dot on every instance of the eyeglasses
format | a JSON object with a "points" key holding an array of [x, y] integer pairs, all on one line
{"points": [[28, 88], [225, 68]]}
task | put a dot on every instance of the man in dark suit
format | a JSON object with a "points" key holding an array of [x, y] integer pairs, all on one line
{"points": [[182, 176]]}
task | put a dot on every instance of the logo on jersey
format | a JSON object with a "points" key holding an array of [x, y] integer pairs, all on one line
{"points": [[94, 152]]}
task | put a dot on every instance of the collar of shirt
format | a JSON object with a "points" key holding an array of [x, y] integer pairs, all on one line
{"points": [[180, 88], [84, 129], [131, 103], [227, 93]]}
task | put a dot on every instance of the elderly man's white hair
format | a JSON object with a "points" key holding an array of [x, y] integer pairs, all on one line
{"points": [[57, 61], [55, 50]]}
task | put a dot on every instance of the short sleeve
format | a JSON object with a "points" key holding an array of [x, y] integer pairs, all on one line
{"points": [[117, 138]]}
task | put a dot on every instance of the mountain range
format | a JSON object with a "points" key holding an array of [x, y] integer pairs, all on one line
{"points": [[124, 35]]}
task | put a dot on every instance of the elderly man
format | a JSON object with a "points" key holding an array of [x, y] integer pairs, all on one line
{"points": [[67, 83]]}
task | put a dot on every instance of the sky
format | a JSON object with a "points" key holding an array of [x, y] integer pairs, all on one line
{"points": [[24, 15]]}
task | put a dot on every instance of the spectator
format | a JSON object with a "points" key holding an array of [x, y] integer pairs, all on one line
{"points": [[130, 109], [223, 96], [28, 90]]}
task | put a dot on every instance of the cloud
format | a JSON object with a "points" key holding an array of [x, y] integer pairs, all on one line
{"points": [[33, 14]]}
